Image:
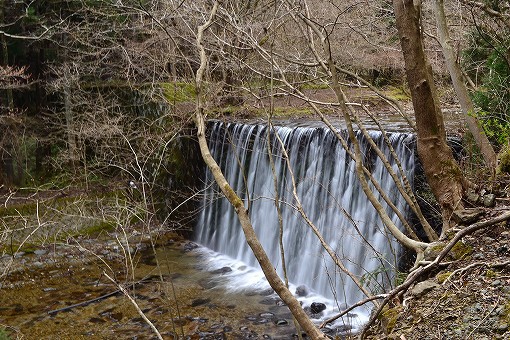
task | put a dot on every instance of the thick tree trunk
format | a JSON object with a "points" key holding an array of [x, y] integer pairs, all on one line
{"points": [[442, 172], [466, 103]]}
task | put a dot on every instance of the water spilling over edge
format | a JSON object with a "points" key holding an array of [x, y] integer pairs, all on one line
{"points": [[330, 194]]}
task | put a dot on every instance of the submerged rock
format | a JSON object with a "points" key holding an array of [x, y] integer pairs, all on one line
{"points": [[199, 302], [317, 307], [207, 283], [267, 292], [222, 270], [302, 291], [271, 300], [267, 315]]}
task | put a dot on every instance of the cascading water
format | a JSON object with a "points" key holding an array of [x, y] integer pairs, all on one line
{"points": [[330, 195]]}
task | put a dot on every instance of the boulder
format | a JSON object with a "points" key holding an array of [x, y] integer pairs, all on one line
{"points": [[189, 246]]}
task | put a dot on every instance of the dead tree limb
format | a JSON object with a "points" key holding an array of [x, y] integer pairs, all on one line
{"points": [[417, 273]]}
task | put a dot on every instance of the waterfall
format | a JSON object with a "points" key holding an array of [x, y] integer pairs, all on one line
{"points": [[329, 192]]}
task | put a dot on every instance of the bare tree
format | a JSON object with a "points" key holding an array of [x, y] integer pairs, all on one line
{"points": [[461, 90], [242, 213], [442, 171]]}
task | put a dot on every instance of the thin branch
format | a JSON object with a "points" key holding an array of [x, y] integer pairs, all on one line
{"points": [[133, 302]]}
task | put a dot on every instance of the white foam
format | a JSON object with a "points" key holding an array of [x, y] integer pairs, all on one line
{"points": [[245, 278]]}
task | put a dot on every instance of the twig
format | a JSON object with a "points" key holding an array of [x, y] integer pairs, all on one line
{"points": [[357, 304], [461, 270], [503, 264], [126, 293], [485, 317]]}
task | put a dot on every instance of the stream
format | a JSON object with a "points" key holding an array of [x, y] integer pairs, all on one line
{"points": [[53, 294]]}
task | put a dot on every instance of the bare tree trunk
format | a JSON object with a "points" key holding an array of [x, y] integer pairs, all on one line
{"points": [[68, 113], [443, 173], [5, 57], [241, 211], [6, 149], [460, 88]]}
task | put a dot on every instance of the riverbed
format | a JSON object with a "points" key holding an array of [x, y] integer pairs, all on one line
{"points": [[63, 291]]}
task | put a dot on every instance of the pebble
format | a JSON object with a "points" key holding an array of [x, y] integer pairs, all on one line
{"points": [[500, 310], [38, 264], [496, 283], [502, 250], [478, 256], [503, 327], [40, 252], [281, 322]]}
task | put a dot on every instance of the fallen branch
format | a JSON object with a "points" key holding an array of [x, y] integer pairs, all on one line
{"points": [[99, 298], [84, 303], [472, 265], [414, 275], [461, 270]]}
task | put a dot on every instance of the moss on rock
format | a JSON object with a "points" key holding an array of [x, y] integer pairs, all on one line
{"points": [[442, 277], [461, 250], [389, 317]]}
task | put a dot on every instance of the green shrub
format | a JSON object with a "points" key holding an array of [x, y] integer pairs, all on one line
{"points": [[493, 96], [504, 160], [4, 335]]}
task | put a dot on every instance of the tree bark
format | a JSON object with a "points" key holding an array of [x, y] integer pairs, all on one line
{"points": [[442, 172], [465, 101]]}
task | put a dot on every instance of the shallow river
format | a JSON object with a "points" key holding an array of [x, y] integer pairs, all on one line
{"points": [[186, 292]]}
